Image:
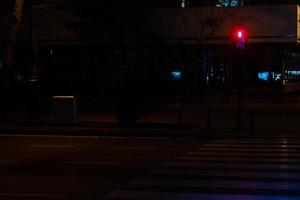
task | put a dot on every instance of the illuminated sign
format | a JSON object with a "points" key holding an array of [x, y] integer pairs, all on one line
{"points": [[292, 75], [232, 3], [292, 72], [176, 75], [298, 23], [263, 75], [270, 76]]}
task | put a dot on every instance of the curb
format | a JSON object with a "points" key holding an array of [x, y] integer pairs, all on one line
{"points": [[127, 132]]}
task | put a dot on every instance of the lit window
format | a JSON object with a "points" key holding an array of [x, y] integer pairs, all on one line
{"points": [[232, 3], [182, 3], [176, 75]]}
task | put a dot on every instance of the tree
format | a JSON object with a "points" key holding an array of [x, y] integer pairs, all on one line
{"points": [[18, 14], [9, 51], [20, 8], [207, 20], [9, 56]]}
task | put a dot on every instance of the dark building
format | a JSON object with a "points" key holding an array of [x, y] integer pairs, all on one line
{"points": [[92, 47], [271, 36]]}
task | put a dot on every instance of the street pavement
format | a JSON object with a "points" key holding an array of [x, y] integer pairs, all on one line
{"points": [[202, 115]]}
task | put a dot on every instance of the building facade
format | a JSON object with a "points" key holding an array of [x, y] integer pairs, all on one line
{"points": [[88, 47]]}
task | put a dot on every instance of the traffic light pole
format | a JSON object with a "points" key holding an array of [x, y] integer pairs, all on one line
{"points": [[239, 99], [32, 84], [239, 38], [239, 80]]}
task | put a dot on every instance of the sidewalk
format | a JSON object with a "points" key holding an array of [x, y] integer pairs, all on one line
{"points": [[201, 115]]}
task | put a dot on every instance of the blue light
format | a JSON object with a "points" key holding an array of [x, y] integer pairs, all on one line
{"points": [[176, 75], [263, 76], [18, 76], [240, 44], [233, 3], [277, 76]]}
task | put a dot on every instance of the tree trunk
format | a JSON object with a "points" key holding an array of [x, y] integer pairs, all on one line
{"points": [[9, 51], [9, 58]]}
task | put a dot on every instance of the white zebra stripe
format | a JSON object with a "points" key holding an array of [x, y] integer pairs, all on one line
{"points": [[146, 195], [170, 182]]}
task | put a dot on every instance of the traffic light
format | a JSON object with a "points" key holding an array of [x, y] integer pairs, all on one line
{"points": [[240, 37]]}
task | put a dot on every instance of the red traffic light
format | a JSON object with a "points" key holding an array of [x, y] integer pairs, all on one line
{"points": [[239, 37], [239, 33]]}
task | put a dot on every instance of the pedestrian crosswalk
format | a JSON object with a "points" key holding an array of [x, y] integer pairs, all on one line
{"points": [[223, 169]]}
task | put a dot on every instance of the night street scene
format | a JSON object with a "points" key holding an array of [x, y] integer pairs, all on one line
{"points": [[149, 100]]}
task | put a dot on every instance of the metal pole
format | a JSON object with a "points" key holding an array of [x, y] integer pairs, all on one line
{"points": [[180, 110], [252, 122], [208, 119], [32, 82], [239, 88], [239, 111]]}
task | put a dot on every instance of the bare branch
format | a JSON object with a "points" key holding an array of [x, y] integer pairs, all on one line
{"points": [[38, 4]]}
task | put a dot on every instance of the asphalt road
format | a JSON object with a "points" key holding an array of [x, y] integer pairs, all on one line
{"points": [[123, 168], [68, 167], [223, 169]]}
